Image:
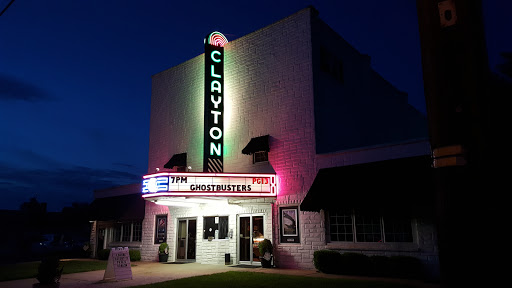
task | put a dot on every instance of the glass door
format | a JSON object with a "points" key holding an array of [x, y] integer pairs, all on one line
{"points": [[186, 242], [251, 233]]}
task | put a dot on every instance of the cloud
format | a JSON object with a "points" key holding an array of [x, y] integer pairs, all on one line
{"points": [[60, 187], [12, 89]]}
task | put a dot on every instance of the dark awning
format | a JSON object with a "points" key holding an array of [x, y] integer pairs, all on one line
{"points": [[118, 208], [179, 160], [392, 186], [257, 144]]}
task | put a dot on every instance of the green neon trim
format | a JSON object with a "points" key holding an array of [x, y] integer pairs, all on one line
{"points": [[213, 58]]}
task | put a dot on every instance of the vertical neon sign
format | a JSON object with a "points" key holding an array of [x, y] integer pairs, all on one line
{"points": [[214, 102]]}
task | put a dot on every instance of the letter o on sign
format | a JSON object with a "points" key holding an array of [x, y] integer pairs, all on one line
{"points": [[218, 132]]}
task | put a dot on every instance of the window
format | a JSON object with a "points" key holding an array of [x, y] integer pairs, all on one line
{"points": [[398, 230], [368, 229], [340, 225], [260, 156], [117, 233], [346, 226], [331, 65], [137, 231], [215, 227], [128, 232]]}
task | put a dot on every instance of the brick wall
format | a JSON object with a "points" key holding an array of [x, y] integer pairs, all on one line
{"points": [[268, 90]]}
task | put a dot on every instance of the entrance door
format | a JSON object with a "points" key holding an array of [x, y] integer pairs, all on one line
{"points": [[186, 242], [251, 233]]}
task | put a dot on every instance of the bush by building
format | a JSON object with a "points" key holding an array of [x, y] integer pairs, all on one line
{"points": [[327, 261], [134, 255], [350, 263], [355, 264]]}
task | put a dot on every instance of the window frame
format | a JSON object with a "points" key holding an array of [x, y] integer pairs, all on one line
{"points": [[409, 238], [259, 159], [206, 236], [161, 236]]}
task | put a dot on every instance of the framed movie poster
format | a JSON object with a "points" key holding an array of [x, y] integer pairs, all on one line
{"points": [[289, 224], [161, 229]]}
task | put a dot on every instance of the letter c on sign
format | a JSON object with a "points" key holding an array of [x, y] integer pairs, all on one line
{"points": [[213, 56]]}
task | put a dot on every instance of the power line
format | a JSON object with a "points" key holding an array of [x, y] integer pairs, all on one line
{"points": [[5, 9]]}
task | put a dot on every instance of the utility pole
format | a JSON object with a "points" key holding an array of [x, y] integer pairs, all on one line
{"points": [[455, 75]]}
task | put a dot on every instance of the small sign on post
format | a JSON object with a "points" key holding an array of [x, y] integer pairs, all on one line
{"points": [[118, 266]]}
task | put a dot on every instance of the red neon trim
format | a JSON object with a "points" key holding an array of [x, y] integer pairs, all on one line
{"points": [[244, 175], [160, 194]]}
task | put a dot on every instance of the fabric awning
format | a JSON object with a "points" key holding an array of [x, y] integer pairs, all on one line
{"points": [[257, 144], [392, 186], [129, 207], [179, 160]]}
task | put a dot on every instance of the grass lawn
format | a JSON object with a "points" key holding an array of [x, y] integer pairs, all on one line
{"points": [[265, 280], [29, 269]]}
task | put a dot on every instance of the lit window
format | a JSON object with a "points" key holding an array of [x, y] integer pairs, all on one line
{"points": [[215, 227]]}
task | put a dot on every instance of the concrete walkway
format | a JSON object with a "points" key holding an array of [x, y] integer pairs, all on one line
{"points": [[153, 272]]}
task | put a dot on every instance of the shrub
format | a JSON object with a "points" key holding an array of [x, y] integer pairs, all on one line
{"points": [[163, 248], [103, 254], [134, 255], [380, 266], [265, 246], [355, 264], [49, 270], [327, 261], [405, 267]]}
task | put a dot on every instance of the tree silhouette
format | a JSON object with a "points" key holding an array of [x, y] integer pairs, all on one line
{"points": [[506, 67]]}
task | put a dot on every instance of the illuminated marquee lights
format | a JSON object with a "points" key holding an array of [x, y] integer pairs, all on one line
{"points": [[209, 184], [214, 102]]}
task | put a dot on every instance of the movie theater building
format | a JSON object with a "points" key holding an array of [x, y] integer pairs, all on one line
{"points": [[285, 134]]}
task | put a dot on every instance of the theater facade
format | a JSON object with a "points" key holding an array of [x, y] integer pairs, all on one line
{"points": [[284, 134]]}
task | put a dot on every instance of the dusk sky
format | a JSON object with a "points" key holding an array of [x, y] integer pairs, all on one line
{"points": [[75, 77]]}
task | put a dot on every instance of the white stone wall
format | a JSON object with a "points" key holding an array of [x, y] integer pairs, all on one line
{"points": [[149, 250]]}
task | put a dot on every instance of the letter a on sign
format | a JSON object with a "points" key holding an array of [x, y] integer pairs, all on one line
{"points": [[213, 153]]}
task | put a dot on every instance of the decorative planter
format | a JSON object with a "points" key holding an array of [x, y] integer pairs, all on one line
{"points": [[266, 263], [163, 257]]}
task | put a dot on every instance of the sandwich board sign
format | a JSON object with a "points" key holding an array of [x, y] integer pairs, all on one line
{"points": [[118, 266]]}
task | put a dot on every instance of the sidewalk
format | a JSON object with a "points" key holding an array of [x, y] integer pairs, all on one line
{"points": [[153, 272]]}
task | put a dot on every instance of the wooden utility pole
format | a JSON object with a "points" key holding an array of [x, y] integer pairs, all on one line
{"points": [[455, 74]]}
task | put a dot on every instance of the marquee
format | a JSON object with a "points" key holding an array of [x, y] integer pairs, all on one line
{"points": [[209, 184]]}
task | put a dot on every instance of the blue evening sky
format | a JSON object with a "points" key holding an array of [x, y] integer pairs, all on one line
{"points": [[75, 77]]}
